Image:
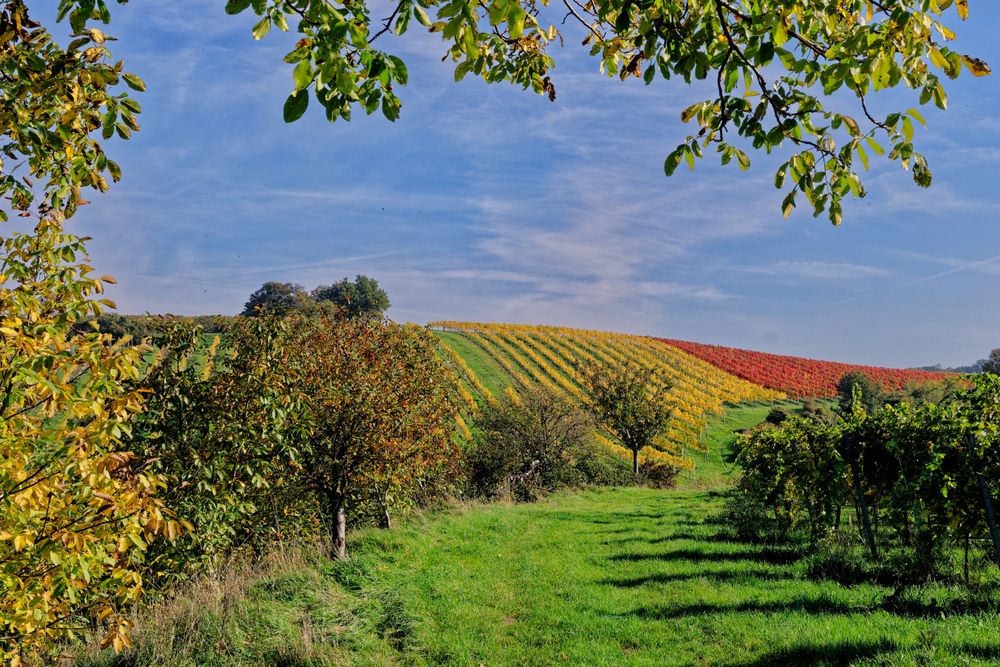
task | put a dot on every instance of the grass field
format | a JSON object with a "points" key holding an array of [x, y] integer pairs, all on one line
{"points": [[602, 577], [626, 576]]}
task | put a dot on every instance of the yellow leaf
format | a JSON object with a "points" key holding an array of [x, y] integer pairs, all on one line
{"points": [[109, 279], [963, 8], [976, 66]]}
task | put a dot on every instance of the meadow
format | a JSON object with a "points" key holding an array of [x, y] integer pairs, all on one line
{"points": [[605, 576]]}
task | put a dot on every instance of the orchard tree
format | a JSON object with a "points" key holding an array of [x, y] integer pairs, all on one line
{"points": [[631, 402], [274, 298], [374, 413], [361, 299]]}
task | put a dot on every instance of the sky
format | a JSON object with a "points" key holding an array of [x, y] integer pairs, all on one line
{"points": [[489, 203]]}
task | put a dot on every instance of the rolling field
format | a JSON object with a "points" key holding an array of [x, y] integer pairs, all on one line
{"points": [[796, 376], [488, 359]]}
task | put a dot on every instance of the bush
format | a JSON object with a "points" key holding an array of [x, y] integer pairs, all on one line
{"points": [[529, 447]]}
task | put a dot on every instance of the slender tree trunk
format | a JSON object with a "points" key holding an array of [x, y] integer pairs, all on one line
{"points": [[635, 462], [385, 521], [338, 526]]}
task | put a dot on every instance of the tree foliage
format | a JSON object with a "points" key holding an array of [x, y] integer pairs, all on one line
{"points": [[361, 299], [992, 364], [631, 402], [857, 386], [775, 65], [529, 446], [77, 511], [215, 428], [922, 474], [374, 419], [275, 298]]}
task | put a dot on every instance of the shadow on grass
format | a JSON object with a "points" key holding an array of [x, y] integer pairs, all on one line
{"points": [[809, 605], [849, 653], [839, 653], [724, 575], [765, 555]]}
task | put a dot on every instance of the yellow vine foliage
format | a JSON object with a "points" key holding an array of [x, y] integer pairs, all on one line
{"points": [[548, 356]]}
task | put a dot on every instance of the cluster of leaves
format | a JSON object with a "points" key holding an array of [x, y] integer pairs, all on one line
{"points": [[921, 475], [77, 508], [776, 65], [531, 446], [215, 428]]}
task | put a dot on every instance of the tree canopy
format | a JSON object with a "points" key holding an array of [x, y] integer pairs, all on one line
{"points": [[359, 300], [776, 66]]}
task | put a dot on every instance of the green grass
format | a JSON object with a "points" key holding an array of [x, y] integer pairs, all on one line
{"points": [[485, 367], [714, 469], [626, 576]]}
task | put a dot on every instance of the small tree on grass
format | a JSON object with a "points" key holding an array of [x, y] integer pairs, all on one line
{"points": [[374, 412], [529, 446], [631, 402]]}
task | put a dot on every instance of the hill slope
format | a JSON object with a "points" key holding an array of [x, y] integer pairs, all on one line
{"points": [[796, 376], [487, 359]]}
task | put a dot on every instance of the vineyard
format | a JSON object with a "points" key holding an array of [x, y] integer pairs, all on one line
{"points": [[796, 376], [487, 359]]}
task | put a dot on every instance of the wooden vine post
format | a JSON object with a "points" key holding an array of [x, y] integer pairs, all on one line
{"points": [[862, 504], [991, 516]]}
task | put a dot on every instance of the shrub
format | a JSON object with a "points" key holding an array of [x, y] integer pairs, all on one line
{"points": [[531, 446]]}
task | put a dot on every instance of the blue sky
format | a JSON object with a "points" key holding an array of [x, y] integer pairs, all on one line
{"points": [[489, 203]]}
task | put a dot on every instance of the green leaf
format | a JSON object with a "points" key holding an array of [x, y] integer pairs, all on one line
{"points": [[302, 74], [236, 6], [134, 82], [399, 69], [907, 129], [421, 15], [515, 21], [673, 161], [296, 105], [917, 117], [262, 28], [689, 157]]}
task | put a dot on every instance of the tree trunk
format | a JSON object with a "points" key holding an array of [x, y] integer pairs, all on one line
{"points": [[385, 522], [338, 526], [635, 462]]}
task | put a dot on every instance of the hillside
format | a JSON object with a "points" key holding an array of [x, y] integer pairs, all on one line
{"points": [[796, 376], [489, 359]]}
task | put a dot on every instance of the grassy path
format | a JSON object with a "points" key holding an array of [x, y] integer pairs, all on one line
{"points": [[635, 577], [623, 576]]}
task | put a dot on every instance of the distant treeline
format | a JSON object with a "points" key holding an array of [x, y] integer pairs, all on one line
{"points": [[146, 326]]}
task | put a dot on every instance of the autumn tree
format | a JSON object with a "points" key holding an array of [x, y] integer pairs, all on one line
{"points": [[632, 402], [360, 299], [77, 511], [374, 413]]}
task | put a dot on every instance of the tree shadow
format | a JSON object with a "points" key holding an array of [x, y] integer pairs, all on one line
{"points": [[721, 576], [765, 555], [838, 653], [809, 605], [849, 653]]}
